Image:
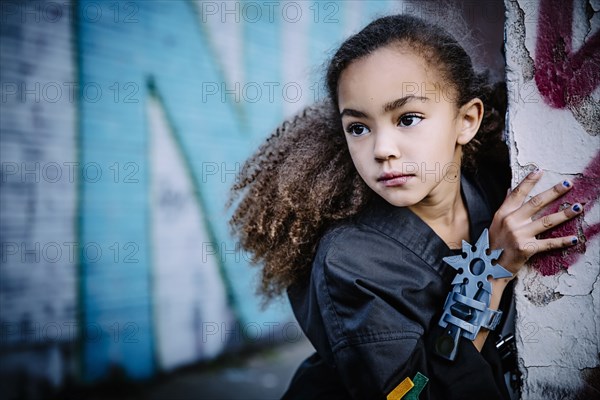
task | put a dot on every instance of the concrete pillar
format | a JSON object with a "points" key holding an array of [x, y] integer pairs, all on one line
{"points": [[553, 76]]}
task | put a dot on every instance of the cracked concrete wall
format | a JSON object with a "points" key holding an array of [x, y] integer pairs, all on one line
{"points": [[553, 76]]}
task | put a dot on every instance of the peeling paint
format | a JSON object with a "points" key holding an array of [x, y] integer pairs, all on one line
{"points": [[587, 113], [592, 11], [516, 32], [538, 293]]}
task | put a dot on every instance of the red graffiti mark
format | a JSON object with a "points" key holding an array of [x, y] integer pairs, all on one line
{"points": [[564, 77], [586, 190]]}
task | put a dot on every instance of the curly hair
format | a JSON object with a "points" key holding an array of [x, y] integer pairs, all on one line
{"points": [[302, 179], [298, 182]]}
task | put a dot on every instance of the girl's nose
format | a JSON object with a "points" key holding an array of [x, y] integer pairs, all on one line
{"points": [[385, 146]]}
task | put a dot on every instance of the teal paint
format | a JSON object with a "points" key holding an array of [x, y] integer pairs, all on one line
{"points": [[327, 29], [166, 43], [201, 200], [210, 41], [263, 89], [117, 294], [80, 370]]}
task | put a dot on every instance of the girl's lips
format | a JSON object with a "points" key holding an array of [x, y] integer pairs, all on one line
{"points": [[390, 180]]}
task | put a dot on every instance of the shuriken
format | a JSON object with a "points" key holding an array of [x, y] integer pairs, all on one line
{"points": [[475, 265], [466, 307]]}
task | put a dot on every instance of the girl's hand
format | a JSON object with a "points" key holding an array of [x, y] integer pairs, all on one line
{"points": [[514, 230]]}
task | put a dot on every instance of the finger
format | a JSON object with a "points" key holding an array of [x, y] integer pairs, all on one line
{"points": [[556, 243], [551, 220], [541, 200], [519, 193]]}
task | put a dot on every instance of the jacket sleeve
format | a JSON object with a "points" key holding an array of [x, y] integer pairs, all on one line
{"points": [[377, 309]]}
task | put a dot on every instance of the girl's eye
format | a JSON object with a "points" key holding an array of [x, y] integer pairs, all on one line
{"points": [[410, 120], [357, 129]]}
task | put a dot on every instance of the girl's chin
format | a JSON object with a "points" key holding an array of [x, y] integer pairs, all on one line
{"points": [[399, 201]]}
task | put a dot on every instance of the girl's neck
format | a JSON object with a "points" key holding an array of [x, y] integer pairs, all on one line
{"points": [[445, 212]]}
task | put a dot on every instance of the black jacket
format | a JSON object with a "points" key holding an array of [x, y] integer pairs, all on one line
{"points": [[372, 304]]}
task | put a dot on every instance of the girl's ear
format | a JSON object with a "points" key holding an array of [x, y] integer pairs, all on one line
{"points": [[470, 116]]}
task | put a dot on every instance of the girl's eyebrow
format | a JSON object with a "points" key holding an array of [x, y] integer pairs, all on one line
{"points": [[353, 113], [392, 105]]}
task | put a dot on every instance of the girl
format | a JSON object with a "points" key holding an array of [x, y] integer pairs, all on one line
{"points": [[353, 204]]}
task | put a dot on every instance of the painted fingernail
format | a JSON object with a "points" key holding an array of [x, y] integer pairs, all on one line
{"points": [[566, 184], [536, 171], [576, 207], [574, 240]]}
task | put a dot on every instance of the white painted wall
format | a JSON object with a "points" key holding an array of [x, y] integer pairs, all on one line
{"points": [[558, 315]]}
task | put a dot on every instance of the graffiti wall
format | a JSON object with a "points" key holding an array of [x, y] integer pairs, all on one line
{"points": [[553, 74]]}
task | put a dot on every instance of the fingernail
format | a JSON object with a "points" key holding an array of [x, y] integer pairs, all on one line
{"points": [[536, 171], [566, 184], [574, 240], [576, 207]]}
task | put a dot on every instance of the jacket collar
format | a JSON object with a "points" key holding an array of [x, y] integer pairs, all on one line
{"points": [[407, 228]]}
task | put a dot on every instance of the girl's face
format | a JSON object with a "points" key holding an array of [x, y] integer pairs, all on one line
{"points": [[403, 130]]}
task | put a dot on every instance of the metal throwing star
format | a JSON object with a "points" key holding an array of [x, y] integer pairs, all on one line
{"points": [[474, 265]]}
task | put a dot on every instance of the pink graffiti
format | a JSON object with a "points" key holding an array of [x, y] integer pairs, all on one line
{"points": [[586, 190], [564, 77]]}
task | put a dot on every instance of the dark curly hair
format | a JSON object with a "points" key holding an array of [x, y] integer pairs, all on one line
{"points": [[302, 180]]}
